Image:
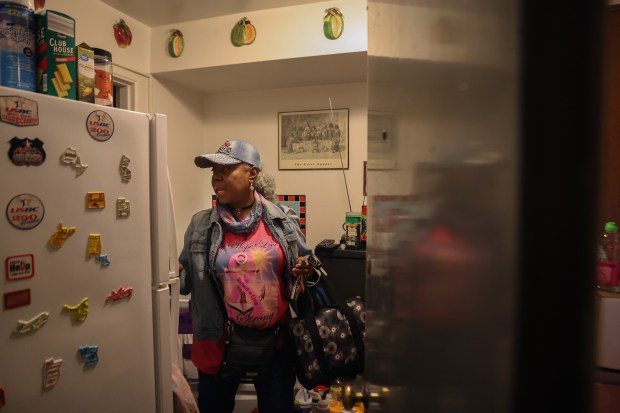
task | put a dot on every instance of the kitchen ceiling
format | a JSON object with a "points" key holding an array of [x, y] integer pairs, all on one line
{"points": [[155, 13]]}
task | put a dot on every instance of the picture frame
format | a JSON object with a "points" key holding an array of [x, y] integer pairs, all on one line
{"points": [[313, 139]]}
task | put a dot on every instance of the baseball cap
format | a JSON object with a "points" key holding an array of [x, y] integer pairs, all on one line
{"points": [[230, 153]]}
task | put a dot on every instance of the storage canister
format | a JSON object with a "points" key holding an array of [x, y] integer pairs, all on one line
{"points": [[103, 78], [17, 45]]}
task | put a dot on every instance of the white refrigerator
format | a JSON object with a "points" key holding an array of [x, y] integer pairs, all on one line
{"points": [[89, 286]]}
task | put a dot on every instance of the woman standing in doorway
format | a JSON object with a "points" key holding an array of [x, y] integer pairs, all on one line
{"points": [[255, 252]]}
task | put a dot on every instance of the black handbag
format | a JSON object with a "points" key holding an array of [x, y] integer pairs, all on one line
{"points": [[248, 353], [328, 334]]}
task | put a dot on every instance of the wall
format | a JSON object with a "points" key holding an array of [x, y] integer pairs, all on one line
{"points": [[184, 109], [253, 116]]}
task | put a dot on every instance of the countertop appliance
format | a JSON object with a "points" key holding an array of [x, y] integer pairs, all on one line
{"points": [[90, 287]]}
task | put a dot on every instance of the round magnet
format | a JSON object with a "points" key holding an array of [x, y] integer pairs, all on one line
{"points": [[100, 125], [25, 211]]}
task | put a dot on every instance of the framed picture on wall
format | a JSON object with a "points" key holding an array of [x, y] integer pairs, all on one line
{"points": [[314, 139]]}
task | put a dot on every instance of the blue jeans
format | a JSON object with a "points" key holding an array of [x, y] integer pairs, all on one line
{"points": [[274, 393]]}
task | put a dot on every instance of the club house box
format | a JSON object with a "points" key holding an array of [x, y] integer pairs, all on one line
{"points": [[56, 66]]}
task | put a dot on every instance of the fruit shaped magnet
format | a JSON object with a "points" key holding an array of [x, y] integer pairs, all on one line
{"points": [[39, 5], [122, 34], [176, 44], [243, 33], [333, 23]]}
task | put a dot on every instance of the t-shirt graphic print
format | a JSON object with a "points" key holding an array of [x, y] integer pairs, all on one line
{"points": [[249, 268]]}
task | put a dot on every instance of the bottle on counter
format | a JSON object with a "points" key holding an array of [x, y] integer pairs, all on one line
{"points": [[607, 276]]}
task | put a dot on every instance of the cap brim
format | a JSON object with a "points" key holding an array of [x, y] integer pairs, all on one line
{"points": [[212, 159]]}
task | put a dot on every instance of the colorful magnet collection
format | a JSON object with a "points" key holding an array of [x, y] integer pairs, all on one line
{"points": [[25, 211]]}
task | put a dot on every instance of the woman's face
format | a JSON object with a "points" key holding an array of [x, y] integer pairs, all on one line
{"points": [[231, 184]]}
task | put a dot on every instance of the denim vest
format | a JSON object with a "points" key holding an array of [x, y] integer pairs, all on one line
{"points": [[198, 260]]}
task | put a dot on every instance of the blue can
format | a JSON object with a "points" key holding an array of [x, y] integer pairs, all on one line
{"points": [[17, 46]]}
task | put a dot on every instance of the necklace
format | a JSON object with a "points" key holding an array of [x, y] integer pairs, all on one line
{"points": [[238, 211]]}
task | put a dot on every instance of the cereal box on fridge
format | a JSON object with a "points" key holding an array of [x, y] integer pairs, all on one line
{"points": [[56, 65]]}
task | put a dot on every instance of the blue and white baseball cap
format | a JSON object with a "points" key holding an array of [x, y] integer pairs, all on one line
{"points": [[230, 153]]}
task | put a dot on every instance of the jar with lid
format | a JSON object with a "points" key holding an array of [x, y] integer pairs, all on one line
{"points": [[103, 78]]}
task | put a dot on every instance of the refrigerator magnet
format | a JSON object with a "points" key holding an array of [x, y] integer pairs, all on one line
{"points": [[71, 157], [124, 169], [100, 125], [19, 111], [123, 208], [120, 293], [52, 372], [25, 211], [19, 267], [95, 200], [103, 259], [89, 354], [16, 299], [79, 311], [60, 235], [26, 152], [94, 244], [33, 324]]}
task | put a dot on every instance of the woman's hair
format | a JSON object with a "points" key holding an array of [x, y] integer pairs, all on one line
{"points": [[266, 186]]}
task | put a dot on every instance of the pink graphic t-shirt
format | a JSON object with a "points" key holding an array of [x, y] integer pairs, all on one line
{"points": [[248, 269]]}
